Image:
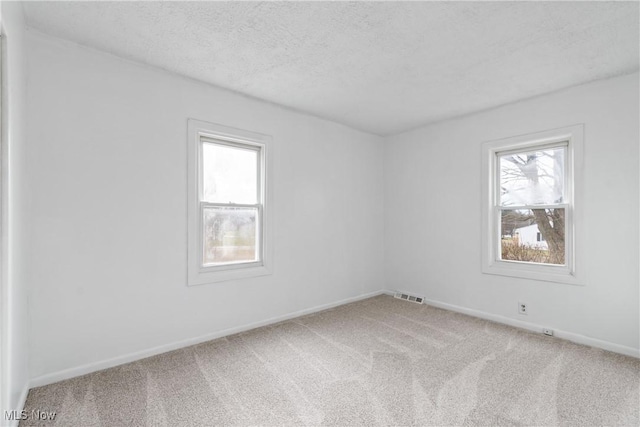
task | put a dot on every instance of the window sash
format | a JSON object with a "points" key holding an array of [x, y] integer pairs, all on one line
{"points": [[568, 233], [567, 193], [528, 207], [497, 207], [232, 264], [198, 132], [243, 145], [534, 146], [573, 272]]}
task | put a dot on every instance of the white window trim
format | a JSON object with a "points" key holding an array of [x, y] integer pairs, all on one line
{"points": [[573, 271], [197, 274]]}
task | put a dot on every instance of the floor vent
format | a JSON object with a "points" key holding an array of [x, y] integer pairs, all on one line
{"points": [[407, 297]]}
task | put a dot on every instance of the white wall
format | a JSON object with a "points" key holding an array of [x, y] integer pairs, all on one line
{"points": [[107, 211], [433, 211], [14, 374], [107, 186]]}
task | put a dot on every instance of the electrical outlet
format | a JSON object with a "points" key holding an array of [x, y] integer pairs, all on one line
{"points": [[522, 308], [548, 332]]}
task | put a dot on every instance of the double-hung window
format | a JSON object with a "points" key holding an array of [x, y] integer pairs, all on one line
{"points": [[227, 203], [531, 205]]}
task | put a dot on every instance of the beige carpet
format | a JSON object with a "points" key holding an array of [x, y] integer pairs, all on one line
{"points": [[380, 361]]}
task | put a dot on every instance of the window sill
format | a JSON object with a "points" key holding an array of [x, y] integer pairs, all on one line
{"points": [[197, 278], [545, 273]]}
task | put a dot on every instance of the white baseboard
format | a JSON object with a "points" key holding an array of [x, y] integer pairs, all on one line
{"points": [[132, 357], [558, 333]]}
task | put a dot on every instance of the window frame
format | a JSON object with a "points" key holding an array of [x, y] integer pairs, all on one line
{"points": [[572, 271], [199, 133]]}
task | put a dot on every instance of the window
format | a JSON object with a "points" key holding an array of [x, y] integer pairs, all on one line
{"points": [[228, 226], [531, 205]]}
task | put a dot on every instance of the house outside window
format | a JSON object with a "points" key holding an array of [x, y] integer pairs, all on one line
{"points": [[531, 202]]}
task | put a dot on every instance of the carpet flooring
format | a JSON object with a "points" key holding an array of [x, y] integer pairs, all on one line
{"points": [[380, 361]]}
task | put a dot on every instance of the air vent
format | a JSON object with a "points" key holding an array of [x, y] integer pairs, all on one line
{"points": [[407, 297]]}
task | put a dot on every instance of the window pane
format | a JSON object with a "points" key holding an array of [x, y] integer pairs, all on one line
{"points": [[533, 235], [229, 174], [532, 177], [230, 235]]}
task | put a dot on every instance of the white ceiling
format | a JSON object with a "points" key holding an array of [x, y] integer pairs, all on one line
{"points": [[383, 67]]}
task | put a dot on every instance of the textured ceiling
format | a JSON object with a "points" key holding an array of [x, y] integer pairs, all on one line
{"points": [[383, 67]]}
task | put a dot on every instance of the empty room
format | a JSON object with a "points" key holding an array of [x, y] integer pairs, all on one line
{"points": [[230, 213]]}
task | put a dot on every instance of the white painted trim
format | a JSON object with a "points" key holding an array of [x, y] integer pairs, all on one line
{"points": [[132, 357], [5, 318], [533, 327], [573, 273], [197, 131]]}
